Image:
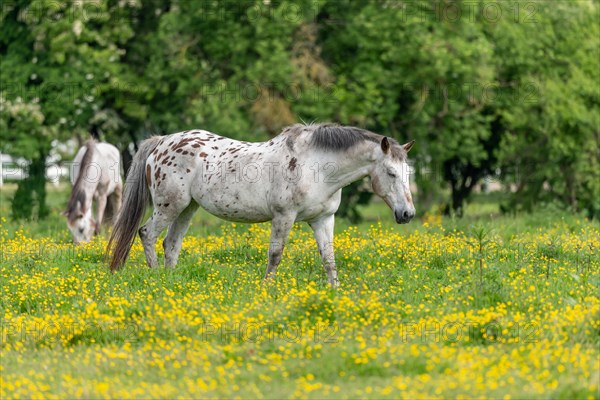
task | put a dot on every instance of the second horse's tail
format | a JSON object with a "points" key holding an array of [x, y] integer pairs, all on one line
{"points": [[135, 200]]}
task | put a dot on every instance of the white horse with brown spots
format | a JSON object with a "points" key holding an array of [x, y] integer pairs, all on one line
{"points": [[96, 176], [297, 176]]}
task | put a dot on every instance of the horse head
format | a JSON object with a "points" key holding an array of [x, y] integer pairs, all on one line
{"points": [[81, 223], [390, 178]]}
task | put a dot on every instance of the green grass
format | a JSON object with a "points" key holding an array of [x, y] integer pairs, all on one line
{"points": [[484, 306]]}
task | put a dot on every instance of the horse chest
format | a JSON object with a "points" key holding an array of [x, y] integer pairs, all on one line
{"points": [[320, 205]]}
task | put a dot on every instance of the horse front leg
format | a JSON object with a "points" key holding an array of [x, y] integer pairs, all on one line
{"points": [[101, 206], [280, 230], [323, 229]]}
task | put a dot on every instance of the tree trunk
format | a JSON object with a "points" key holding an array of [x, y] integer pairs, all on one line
{"points": [[126, 156], [463, 179], [127, 159], [31, 192]]}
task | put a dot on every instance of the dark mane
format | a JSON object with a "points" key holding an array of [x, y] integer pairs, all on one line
{"points": [[332, 137], [78, 194], [337, 138]]}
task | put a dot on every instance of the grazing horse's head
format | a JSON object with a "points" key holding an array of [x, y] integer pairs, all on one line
{"points": [[390, 178], [80, 223]]}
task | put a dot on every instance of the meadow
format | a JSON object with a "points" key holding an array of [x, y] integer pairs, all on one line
{"points": [[485, 306]]}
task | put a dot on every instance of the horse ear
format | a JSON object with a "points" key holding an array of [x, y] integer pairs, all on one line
{"points": [[65, 213], [385, 145], [408, 146]]}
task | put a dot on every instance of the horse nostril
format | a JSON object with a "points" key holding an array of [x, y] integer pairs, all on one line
{"points": [[408, 215]]}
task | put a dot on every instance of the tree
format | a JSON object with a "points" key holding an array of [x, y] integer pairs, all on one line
{"points": [[477, 89], [551, 149], [416, 75], [62, 59], [504, 86], [243, 69], [18, 116]]}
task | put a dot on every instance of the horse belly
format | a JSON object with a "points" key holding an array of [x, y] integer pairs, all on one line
{"points": [[237, 206]]}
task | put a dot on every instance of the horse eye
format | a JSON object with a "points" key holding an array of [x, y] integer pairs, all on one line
{"points": [[391, 174]]}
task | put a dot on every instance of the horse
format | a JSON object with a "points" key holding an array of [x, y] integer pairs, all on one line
{"points": [[296, 176], [96, 175]]}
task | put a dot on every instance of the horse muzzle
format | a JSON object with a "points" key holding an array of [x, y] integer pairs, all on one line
{"points": [[404, 216]]}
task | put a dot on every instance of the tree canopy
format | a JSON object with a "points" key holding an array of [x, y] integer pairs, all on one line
{"points": [[509, 90]]}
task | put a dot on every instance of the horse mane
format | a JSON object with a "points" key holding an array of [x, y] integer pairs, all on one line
{"points": [[333, 137], [78, 193]]}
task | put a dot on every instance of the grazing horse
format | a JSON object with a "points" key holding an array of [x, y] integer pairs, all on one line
{"points": [[296, 176], [96, 176]]}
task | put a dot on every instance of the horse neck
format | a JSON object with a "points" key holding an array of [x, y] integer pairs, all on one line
{"points": [[88, 210], [85, 187], [89, 197], [353, 165], [82, 195]]}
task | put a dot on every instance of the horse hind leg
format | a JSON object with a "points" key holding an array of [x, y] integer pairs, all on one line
{"points": [[149, 232], [176, 233], [281, 226], [111, 210], [115, 201]]}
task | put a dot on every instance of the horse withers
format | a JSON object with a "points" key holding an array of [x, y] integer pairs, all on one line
{"points": [[296, 176], [96, 176]]}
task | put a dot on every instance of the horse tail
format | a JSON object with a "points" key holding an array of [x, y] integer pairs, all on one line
{"points": [[135, 200]]}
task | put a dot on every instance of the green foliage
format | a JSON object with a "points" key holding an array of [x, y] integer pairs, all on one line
{"points": [[478, 93], [22, 128], [34, 143], [551, 144], [30, 197], [420, 80], [508, 89], [58, 74]]}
